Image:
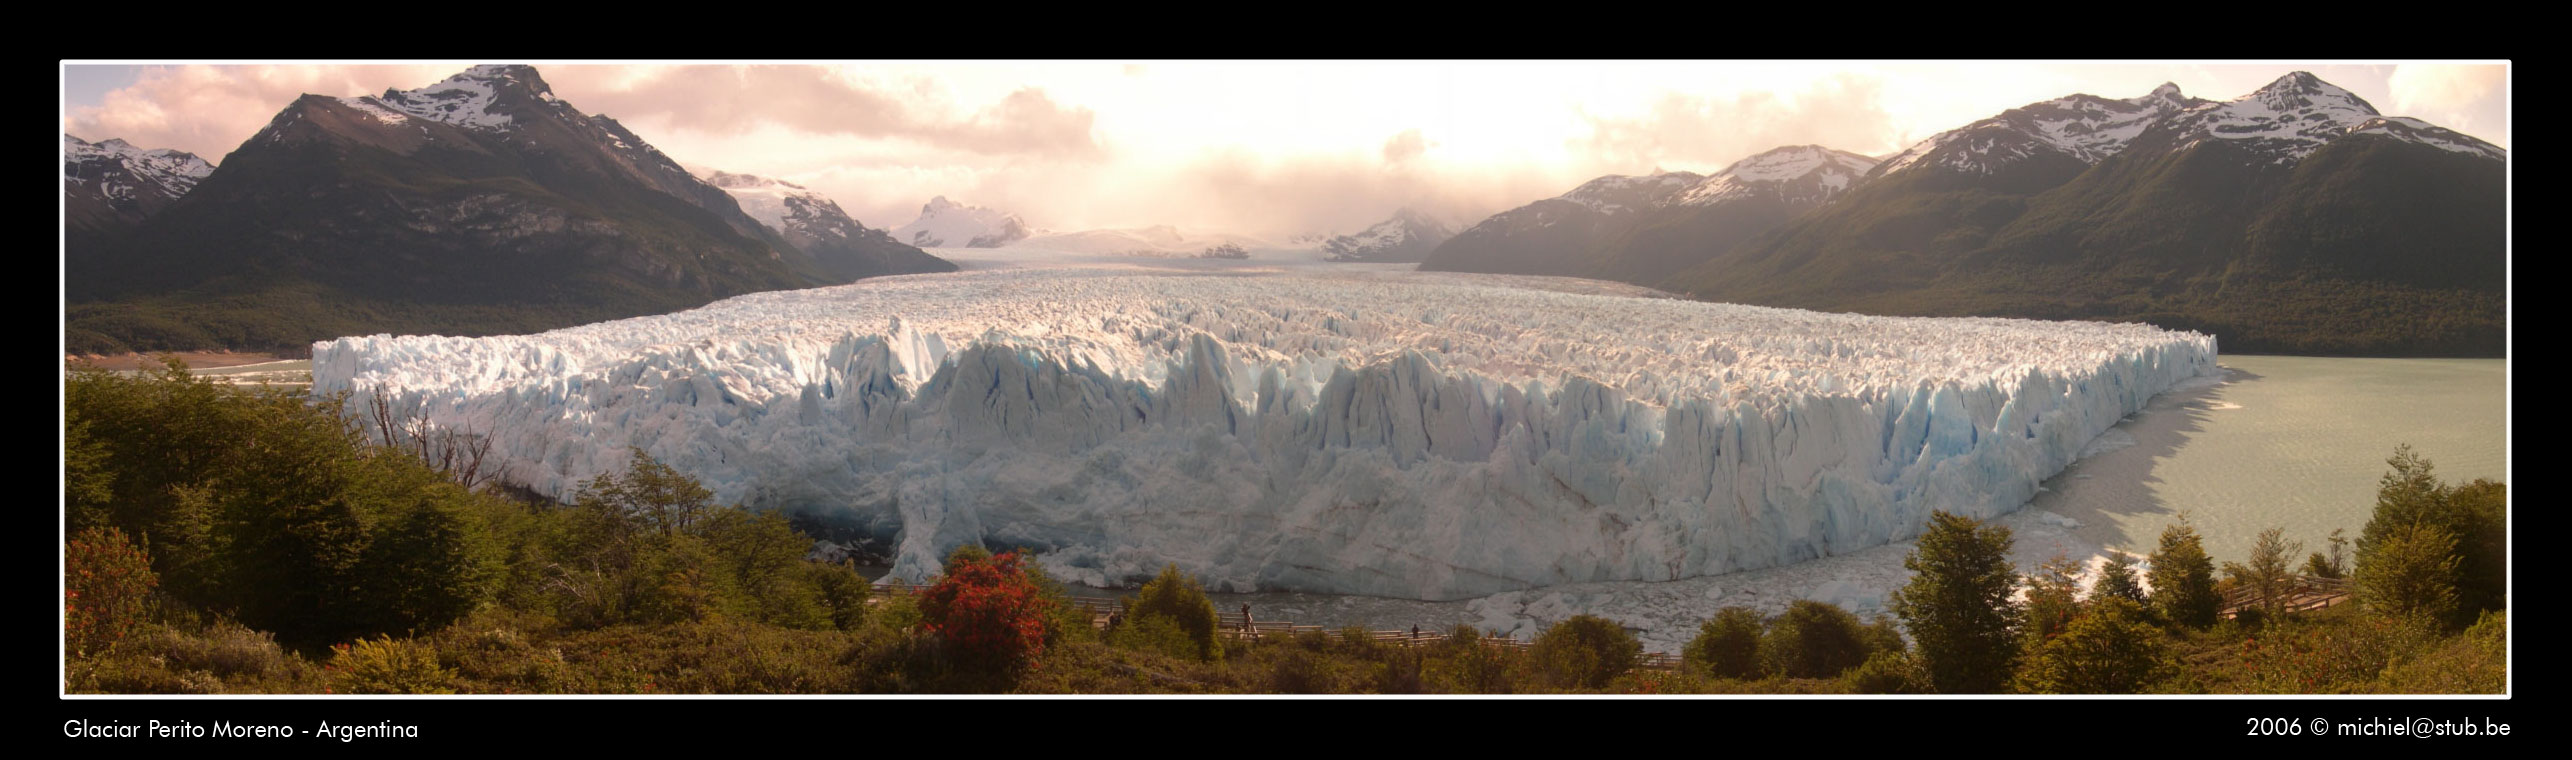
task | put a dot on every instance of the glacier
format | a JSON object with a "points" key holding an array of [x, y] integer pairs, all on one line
{"points": [[1428, 436]]}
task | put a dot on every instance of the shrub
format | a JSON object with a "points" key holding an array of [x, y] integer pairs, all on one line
{"points": [[2110, 648], [1585, 652], [1885, 672], [2410, 573], [389, 666], [1154, 633], [2473, 662], [107, 582], [2341, 658], [2183, 578], [1813, 640], [1465, 664], [1957, 605], [988, 614], [1176, 596], [1727, 646]]}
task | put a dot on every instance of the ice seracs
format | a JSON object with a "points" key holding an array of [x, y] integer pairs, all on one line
{"points": [[1399, 434]]}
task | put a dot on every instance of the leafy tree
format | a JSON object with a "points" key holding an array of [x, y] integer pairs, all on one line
{"points": [[2052, 600], [1177, 596], [2268, 576], [2474, 514], [1957, 605], [2183, 578], [1585, 652], [2410, 573], [1727, 646], [989, 614], [1813, 640], [2111, 648], [107, 581], [2334, 565], [2117, 579]]}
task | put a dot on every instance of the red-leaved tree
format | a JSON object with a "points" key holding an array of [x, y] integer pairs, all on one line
{"points": [[989, 613], [105, 585]]}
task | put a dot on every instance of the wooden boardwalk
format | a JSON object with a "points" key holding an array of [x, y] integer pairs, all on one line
{"points": [[1232, 626], [2302, 592]]}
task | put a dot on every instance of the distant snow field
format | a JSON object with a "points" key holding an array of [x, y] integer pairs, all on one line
{"points": [[1273, 425]]}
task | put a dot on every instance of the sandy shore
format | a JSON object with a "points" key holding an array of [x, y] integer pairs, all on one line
{"points": [[195, 359]]}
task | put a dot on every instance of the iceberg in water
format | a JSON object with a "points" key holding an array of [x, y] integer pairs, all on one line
{"points": [[1430, 436]]}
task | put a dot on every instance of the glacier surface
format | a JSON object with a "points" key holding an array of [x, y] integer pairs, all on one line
{"points": [[1419, 435]]}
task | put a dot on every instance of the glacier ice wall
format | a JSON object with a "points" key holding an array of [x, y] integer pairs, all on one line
{"points": [[1398, 434]]}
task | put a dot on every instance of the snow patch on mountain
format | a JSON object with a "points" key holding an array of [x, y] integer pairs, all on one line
{"points": [[1619, 193], [1429, 436], [2409, 129]]}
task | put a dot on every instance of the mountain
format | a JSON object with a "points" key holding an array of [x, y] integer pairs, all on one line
{"points": [[1406, 238], [947, 224], [1548, 237], [112, 186], [1750, 197], [2293, 219], [480, 204], [815, 224]]}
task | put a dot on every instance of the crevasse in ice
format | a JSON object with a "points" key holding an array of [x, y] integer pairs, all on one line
{"points": [[1401, 434]]}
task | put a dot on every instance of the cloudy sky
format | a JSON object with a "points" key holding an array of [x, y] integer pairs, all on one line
{"points": [[1273, 148]]}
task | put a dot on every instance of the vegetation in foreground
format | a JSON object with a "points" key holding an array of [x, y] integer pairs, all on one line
{"points": [[249, 540]]}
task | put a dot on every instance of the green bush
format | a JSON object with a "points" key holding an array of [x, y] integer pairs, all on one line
{"points": [[389, 666], [1885, 672], [1813, 640], [1464, 664], [1176, 596], [1584, 652], [2109, 648], [1957, 605], [1154, 633], [2473, 662], [1727, 646]]}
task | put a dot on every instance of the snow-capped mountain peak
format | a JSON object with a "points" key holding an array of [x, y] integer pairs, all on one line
{"points": [[473, 99], [112, 179], [946, 223], [2285, 120], [1406, 237], [2087, 128], [1793, 173], [786, 207]]}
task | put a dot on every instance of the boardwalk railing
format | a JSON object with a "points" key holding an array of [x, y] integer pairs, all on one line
{"points": [[1232, 625], [2297, 594]]}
